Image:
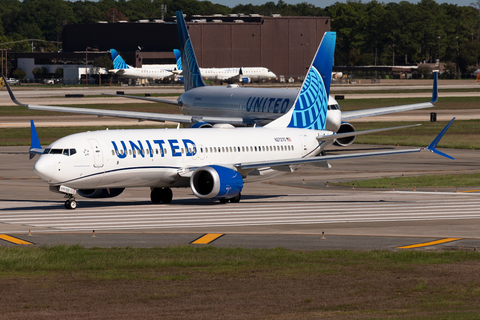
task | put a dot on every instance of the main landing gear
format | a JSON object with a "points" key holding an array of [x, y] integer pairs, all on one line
{"points": [[235, 199], [164, 195]]}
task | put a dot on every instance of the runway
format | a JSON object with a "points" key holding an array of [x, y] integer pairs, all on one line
{"points": [[291, 211]]}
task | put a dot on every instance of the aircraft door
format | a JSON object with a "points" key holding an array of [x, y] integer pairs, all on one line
{"points": [[303, 144], [97, 153], [201, 152]]}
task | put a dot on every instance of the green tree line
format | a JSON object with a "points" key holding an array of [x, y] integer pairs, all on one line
{"points": [[367, 33]]}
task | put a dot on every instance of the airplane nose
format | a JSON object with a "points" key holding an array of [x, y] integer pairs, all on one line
{"points": [[44, 168]]}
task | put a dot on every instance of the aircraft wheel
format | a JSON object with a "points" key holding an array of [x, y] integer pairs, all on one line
{"points": [[167, 195], [71, 204], [223, 200], [156, 195], [236, 199]]}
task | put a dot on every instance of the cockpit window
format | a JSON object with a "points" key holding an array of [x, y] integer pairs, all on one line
{"points": [[65, 152]]}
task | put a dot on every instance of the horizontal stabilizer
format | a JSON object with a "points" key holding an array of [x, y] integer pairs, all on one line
{"points": [[432, 146]]}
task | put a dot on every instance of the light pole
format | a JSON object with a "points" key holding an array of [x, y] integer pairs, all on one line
{"points": [[393, 54], [86, 67]]}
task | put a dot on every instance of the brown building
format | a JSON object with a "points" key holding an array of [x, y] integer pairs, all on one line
{"points": [[285, 45]]}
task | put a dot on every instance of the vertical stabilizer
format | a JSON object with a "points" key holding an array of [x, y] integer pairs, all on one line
{"points": [[178, 58], [310, 108], [118, 62], [191, 72]]}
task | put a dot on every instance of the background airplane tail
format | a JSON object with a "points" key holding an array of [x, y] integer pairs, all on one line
{"points": [[178, 58], [118, 62], [310, 108], [191, 72]]}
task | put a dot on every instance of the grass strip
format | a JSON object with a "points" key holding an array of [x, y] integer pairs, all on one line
{"points": [[426, 181], [17, 111], [256, 283], [461, 135], [444, 103]]}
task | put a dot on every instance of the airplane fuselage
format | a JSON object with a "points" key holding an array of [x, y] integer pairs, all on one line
{"points": [[143, 73], [257, 105], [161, 157]]}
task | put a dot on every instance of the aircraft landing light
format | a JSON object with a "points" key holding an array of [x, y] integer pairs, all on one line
{"points": [[13, 239], [207, 238], [431, 243]]}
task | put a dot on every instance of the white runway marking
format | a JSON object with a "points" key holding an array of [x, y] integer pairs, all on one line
{"points": [[292, 209]]}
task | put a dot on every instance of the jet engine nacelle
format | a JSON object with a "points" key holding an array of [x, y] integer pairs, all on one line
{"points": [[216, 182], [344, 128], [100, 193]]}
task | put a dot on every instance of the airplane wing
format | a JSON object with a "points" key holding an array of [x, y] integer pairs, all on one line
{"points": [[146, 116], [281, 163], [172, 102], [349, 115]]}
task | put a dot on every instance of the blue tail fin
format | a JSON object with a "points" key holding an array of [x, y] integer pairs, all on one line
{"points": [[178, 58], [191, 73], [310, 108], [118, 62]]}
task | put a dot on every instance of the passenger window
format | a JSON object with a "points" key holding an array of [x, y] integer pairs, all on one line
{"points": [[113, 152]]}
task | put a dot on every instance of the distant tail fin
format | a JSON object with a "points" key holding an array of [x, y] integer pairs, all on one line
{"points": [[118, 62], [178, 58], [191, 72], [310, 108]]}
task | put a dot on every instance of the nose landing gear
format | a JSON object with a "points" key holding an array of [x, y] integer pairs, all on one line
{"points": [[71, 203]]}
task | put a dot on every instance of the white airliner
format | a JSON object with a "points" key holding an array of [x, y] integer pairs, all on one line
{"points": [[122, 69], [213, 162], [230, 75], [204, 106]]}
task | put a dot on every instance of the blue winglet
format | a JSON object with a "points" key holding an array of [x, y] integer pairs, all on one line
{"points": [[432, 146], [435, 88], [35, 142]]}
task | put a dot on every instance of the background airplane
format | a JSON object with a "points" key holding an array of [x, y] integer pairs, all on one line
{"points": [[214, 163], [122, 69], [229, 75], [204, 106]]}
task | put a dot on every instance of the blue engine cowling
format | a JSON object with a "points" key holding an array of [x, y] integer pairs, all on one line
{"points": [[201, 125], [100, 193], [216, 182]]}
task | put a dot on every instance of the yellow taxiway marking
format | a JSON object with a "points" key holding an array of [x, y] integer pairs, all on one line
{"points": [[470, 191], [13, 239], [207, 238], [431, 243]]}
